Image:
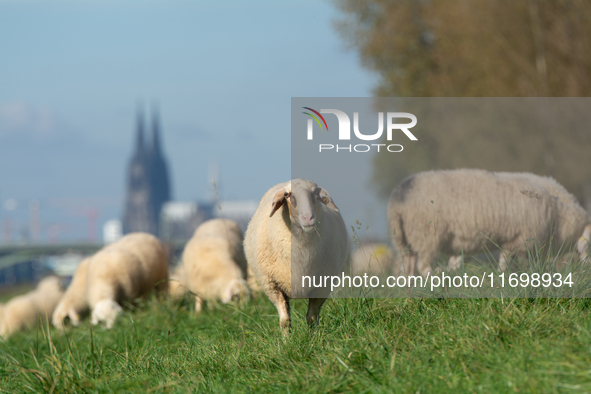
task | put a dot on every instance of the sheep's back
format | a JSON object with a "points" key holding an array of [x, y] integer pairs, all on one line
{"points": [[464, 210], [230, 231]]}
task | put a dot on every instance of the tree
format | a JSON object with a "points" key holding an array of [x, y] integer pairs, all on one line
{"points": [[486, 48]]}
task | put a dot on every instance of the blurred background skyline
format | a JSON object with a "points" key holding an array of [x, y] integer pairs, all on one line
{"points": [[221, 75]]}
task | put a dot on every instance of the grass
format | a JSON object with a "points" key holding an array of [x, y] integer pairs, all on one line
{"points": [[361, 345]]}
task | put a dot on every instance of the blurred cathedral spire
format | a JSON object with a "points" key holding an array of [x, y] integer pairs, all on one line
{"points": [[148, 185]]}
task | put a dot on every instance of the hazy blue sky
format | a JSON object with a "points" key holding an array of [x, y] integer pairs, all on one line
{"points": [[222, 72]]}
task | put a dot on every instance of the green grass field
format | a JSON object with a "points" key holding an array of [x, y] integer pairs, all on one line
{"points": [[373, 345]]}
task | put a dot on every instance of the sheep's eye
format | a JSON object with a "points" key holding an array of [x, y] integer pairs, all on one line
{"points": [[324, 200], [293, 201]]}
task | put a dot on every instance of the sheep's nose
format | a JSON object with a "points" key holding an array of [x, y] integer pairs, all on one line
{"points": [[308, 219]]}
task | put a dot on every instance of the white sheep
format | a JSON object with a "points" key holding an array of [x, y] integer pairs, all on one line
{"points": [[214, 263], [22, 312], [122, 272], [73, 304], [296, 230], [177, 286], [555, 189], [252, 281], [469, 211]]}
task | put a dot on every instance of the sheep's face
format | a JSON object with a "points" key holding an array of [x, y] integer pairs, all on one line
{"points": [[105, 311], [305, 201]]}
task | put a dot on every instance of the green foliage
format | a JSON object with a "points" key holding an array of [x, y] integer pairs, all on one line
{"points": [[489, 48], [361, 345]]}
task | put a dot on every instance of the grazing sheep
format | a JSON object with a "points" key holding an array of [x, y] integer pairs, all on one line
{"points": [[468, 211], [122, 272], [214, 263], [73, 303], [232, 231], [296, 225], [22, 312], [555, 189]]}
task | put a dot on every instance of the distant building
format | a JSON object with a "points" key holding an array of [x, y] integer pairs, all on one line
{"points": [[64, 265], [239, 211], [112, 230], [148, 185], [179, 219]]}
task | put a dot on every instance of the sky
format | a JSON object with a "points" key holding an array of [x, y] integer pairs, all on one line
{"points": [[222, 74]]}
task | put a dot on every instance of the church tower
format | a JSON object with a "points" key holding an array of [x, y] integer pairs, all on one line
{"points": [[159, 172], [148, 186]]}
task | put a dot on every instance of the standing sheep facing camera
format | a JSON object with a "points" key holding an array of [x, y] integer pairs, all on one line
{"points": [[214, 263], [468, 211], [73, 303], [122, 272], [22, 312], [296, 225]]}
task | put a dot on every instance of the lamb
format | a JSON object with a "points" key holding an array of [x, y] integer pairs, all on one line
{"points": [[22, 312], [468, 211], [122, 272], [214, 263], [73, 304], [296, 226]]}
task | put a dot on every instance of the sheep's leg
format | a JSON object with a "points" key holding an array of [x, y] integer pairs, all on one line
{"points": [[424, 263], [314, 305], [455, 262], [281, 302], [74, 316], [424, 267], [198, 303], [583, 244], [503, 263], [410, 261]]}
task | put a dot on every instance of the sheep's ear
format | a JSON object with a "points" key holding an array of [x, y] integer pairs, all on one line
{"points": [[327, 200], [280, 198]]}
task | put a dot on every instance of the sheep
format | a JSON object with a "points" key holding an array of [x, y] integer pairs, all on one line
{"points": [[555, 189], [253, 284], [468, 211], [22, 312], [73, 304], [177, 286], [122, 272], [296, 226], [214, 263]]}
